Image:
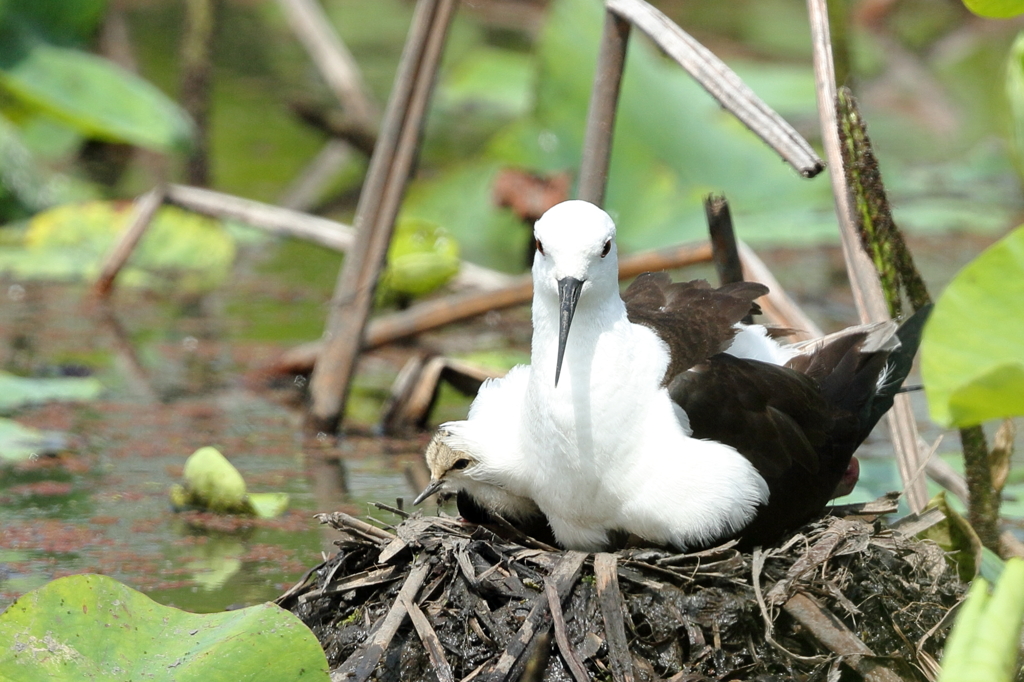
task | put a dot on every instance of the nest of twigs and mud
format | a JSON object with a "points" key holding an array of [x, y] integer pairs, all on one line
{"points": [[434, 598]]}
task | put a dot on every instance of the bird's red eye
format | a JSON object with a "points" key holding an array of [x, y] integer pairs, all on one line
{"points": [[540, 247], [607, 248]]}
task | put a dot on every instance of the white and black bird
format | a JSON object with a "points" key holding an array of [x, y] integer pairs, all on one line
{"points": [[657, 414]]}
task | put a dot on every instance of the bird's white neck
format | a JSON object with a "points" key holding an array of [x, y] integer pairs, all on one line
{"points": [[597, 313]]}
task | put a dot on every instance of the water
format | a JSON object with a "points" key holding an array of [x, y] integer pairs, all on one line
{"points": [[181, 372]]}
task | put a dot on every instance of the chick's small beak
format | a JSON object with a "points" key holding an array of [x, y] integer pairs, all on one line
{"points": [[569, 289], [435, 486]]}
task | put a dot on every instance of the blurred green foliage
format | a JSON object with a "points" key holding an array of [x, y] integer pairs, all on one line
{"points": [[55, 94], [997, 9], [985, 640], [972, 353]]}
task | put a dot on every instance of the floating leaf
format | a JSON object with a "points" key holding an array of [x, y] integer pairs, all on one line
{"points": [[17, 392], [91, 627], [92, 95], [19, 442], [268, 505], [972, 353], [70, 241], [996, 9]]}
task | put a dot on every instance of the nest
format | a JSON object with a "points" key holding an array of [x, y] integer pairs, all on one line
{"points": [[434, 598]]}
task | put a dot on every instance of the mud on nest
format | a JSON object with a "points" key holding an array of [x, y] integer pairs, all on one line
{"points": [[437, 599]]}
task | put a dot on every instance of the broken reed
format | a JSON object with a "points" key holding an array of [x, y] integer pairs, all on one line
{"points": [[873, 216], [884, 243]]}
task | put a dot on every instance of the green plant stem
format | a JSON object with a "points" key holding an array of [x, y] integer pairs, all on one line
{"points": [[983, 501]]}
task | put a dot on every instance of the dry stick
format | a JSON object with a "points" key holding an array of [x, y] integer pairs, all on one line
{"points": [[375, 215], [273, 219], [431, 643], [564, 576], [289, 223], [608, 595], [836, 637], [777, 305], [564, 646], [604, 97], [723, 240], [432, 314], [361, 663], [332, 58], [867, 289], [722, 83], [142, 214], [341, 520], [438, 312]]}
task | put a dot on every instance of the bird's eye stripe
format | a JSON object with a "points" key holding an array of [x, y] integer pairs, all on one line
{"points": [[607, 248]]}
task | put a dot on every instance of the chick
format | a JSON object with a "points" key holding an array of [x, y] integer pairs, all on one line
{"points": [[457, 471]]}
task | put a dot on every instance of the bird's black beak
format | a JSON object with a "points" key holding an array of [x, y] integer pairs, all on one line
{"points": [[569, 289], [435, 486]]}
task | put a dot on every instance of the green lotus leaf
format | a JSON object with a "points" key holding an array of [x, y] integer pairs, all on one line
{"points": [[972, 353], [995, 9], [92, 95], [17, 392], [91, 627]]}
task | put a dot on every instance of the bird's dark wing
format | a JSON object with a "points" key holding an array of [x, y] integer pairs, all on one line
{"points": [[693, 318], [799, 425], [774, 416], [780, 421]]}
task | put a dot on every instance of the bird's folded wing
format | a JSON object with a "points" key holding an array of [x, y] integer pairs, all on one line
{"points": [[693, 318], [774, 416]]}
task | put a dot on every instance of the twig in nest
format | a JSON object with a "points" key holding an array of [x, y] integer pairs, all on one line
{"points": [[564, 646], [605, 571], [360, 664]]}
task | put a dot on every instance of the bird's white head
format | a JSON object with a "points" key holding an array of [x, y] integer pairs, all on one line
{"points": [[450, 469], [576, 256]]}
